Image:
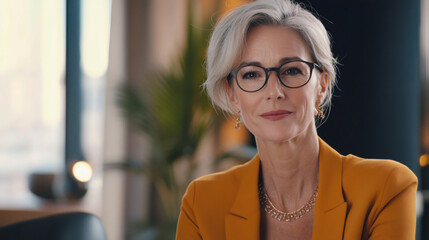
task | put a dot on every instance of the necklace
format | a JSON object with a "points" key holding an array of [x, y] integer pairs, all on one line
{"points": [[279, 214]]}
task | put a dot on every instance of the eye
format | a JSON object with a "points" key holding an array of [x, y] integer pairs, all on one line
{"points": [[292, 71], [251, 75]]}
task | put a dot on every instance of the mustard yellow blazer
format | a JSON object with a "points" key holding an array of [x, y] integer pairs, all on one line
{"points": [[358, 199]]}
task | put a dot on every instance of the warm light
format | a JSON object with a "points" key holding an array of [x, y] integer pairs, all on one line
{"points": [[82, 171], [231, 4], [230, 137], [95, 37], [52, 64], [424, 160]]}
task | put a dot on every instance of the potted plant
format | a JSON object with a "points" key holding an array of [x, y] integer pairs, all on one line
{"points": [[173, 114]]}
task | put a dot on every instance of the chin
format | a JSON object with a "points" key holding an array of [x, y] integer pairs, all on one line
{"points": [[280, 139], [277, 135]]}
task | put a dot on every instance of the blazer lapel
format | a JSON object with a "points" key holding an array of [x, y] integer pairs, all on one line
{"points": [[242, 222], [330, 208]]}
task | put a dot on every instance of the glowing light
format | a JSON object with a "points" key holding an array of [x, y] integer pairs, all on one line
{"points": [[82, 171], [424, 160]]}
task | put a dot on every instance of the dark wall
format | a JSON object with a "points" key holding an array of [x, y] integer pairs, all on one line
{"points": [[375, 111], [376, 108]]}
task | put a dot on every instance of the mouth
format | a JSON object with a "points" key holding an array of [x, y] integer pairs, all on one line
{"points": [[276, 115]]}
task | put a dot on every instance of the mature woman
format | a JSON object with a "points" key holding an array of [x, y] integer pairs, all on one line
{"points": [[270, 64]]}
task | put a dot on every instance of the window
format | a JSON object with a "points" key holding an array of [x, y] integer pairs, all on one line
{"points": [[32, 60], [32, 90]]}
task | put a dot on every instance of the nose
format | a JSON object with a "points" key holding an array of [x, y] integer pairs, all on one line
{"points": [[274, 89]]}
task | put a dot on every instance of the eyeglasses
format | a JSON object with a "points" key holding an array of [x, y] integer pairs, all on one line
{"points": [[292, 74]]}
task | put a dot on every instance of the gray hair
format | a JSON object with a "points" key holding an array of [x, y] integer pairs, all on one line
{"points": [[228, 38]]}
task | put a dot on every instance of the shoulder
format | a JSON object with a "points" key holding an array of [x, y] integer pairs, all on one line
{"points": [[375, 170], [375, 178], [222, 184], [230, 176], [380, 195]]}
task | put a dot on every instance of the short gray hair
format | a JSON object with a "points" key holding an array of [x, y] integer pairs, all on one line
{"points": [[228, 38]]}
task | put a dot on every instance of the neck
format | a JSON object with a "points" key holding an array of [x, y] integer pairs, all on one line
{"points": [[290, 169]]}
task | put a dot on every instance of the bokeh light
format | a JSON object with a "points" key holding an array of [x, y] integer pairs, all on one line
{"points": [[82, 171]]}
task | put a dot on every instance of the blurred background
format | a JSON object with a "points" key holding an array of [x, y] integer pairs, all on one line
{"points": [[102, 110]]}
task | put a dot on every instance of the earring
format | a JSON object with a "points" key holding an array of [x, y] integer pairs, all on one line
{"points": [[237, 121], [318, 112]]}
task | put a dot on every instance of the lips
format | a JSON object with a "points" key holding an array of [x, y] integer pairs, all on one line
{"points": [[276, 115]]}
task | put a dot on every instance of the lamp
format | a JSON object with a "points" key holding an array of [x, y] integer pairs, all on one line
{"points": [[72, 184]]}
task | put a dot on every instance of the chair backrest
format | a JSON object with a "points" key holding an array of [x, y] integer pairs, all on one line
{"points": [[65, 226]]}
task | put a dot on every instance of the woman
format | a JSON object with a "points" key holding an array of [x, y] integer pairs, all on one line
{"points": [[270, 64]]}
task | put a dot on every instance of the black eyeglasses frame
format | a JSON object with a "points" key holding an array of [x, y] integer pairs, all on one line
{"points": [[234, 72]]}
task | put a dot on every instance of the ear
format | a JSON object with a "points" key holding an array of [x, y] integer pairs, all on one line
{"points": [[232, 96], [323, 87]]}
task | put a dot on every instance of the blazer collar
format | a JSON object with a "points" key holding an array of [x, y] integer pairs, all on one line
{"points": [[243, 220], [330, 208]]}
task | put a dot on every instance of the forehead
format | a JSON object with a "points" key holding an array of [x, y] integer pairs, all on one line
{"points": [[269, 44]]}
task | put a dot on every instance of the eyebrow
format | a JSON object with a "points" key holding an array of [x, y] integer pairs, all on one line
{"points": [[281, 61]]}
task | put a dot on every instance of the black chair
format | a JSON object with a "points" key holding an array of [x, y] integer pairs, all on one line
{"points": [[66, 226]]}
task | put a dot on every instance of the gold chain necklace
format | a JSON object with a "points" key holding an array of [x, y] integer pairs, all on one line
{"points": [[279, 214]]}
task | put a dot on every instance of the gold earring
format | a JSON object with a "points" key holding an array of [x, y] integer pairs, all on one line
{"points": [[318, 112], [237, 121]]}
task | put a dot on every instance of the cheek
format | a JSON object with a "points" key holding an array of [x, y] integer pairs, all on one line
{"points": [[246, 105], [306, 101], [314, 90], [243, 101]]}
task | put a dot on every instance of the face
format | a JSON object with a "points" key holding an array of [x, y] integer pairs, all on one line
{"points": [[277, 113]]}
